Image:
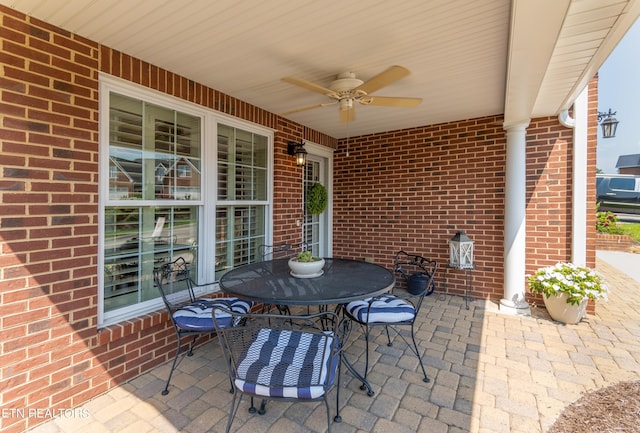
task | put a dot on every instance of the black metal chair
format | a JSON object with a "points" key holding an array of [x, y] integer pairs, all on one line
{"points": [[398, 308], [190, 316], [278, 251], [282, 357]]}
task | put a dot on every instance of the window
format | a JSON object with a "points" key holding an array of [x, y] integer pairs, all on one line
{"points": [[152, 194], [628, 184], [242, 197]]}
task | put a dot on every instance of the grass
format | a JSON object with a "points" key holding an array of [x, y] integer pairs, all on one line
{"points": [[631, 229]]}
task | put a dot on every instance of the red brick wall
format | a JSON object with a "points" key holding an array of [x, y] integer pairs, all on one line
{"points": [[413, 189], [52, 355], [403, 190]]}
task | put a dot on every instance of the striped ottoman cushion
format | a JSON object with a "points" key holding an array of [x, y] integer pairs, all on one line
{"points": [[384, 309], [197, 315], [282, 363]]}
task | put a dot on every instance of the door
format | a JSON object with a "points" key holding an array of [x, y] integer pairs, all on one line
{"points": [[316, 229]]}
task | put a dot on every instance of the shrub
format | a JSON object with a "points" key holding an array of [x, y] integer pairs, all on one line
{"points": [[607, 222]]}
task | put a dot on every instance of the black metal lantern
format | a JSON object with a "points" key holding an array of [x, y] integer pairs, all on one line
{"points": [[461, 251], [299, 151], [608, 123]]}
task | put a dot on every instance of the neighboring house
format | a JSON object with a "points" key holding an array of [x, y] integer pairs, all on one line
{"points": [[629, 164], [83, 225]]}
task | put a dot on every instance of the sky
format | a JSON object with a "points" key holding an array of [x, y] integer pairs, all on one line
{"points": [[619, 90]]}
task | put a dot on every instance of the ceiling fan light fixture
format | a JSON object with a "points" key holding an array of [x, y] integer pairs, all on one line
{"points": [[346, 104]]}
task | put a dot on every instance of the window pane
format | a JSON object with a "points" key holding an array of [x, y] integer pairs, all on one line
{"points": [[137, 239], [154, 152], [240, 230], [622, 183], [125, 148], [242, 164]]}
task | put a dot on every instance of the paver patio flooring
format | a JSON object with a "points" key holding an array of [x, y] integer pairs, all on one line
{"points": [[489, 372]]}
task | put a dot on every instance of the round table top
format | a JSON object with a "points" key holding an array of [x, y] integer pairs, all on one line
{"points": [[342, 281]]}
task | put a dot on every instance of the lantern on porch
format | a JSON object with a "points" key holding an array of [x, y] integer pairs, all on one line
{"points": [[461, 251]]}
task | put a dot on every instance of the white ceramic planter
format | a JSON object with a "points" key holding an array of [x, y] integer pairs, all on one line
{"points": [[306, 269], [560, 310]]}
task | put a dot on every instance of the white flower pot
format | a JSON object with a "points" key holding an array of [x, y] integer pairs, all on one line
{"points": [[560, 310], [306, 269]]}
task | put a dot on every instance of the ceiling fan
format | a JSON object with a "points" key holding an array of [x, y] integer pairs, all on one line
{"points": [[346, 89]]}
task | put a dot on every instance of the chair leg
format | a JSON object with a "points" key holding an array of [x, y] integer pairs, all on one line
{"points": [[234, 409], [366, 355], [191, 346], [337, 418], [173, 366], [389, 343], [417, 352]]}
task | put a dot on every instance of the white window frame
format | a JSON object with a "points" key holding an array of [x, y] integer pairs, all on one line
{"points": [[208, 199]]}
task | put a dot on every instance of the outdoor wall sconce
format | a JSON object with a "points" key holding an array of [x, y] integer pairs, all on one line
{"points": [[608, 123], [298, 150], [461, 252]]}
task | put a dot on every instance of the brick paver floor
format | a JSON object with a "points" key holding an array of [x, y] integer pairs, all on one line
{"points": [[489, 372]]}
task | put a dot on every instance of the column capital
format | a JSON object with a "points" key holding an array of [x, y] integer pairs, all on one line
{"points": [[516, 126]]}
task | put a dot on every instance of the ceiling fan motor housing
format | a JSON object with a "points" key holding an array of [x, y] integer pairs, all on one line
{"points": [[345, 83]]}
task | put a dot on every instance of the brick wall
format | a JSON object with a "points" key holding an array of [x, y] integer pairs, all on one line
{"points": [[408, 189], [52, 354], [413, 189]]}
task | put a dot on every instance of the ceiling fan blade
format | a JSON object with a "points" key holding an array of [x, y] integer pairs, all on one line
{"points": [[388, 101], [310, 107], [383, 79], [348, 115], [309, 85]]}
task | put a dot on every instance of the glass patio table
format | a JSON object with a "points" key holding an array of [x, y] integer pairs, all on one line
{"points": [[343, 280]]}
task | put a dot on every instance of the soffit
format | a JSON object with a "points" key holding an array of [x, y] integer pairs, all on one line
{"points": [[468, 58]]}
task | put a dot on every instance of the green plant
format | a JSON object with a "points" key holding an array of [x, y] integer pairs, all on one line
{"points": [[607, 222], [306, 256], [317, 198], [576, 281]]}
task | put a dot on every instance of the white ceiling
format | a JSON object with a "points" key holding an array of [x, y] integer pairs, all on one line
{"points": [[468, 58]]}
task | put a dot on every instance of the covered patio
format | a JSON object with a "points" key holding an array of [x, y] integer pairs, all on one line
{"points": [[133, 132], [491, 373]]}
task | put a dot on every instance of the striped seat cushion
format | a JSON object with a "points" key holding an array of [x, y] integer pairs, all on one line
{"points": [[384, 309], [197, 315], [282, 363]]}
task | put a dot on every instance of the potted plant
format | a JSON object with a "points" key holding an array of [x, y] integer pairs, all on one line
{"points": [[567, 288], [304, 265]]}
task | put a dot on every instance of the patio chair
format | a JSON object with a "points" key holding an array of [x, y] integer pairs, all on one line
{"points": [[398, 308], [278, 251], [190, 316], [274, 252], [282, 357]]}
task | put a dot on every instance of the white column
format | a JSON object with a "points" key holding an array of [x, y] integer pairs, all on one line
{"points": [[579, 212], [515, 221]]}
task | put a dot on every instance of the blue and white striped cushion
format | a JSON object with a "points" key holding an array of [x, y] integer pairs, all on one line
{"points": [[384, 309], [286, 364], [197, 315]]}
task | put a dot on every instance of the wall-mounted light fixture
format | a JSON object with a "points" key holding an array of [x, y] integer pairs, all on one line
{"points": [[608, 123], [298, 150]]}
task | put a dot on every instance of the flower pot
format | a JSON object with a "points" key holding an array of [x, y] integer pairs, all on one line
{"points": [[560, 310], [306, 269]]}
